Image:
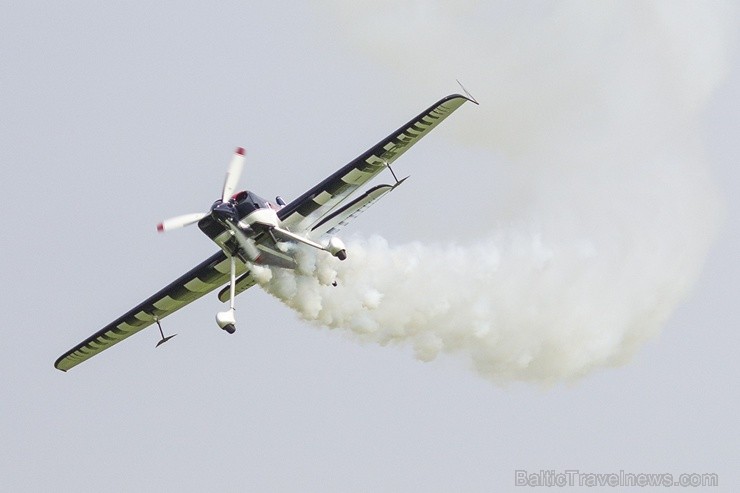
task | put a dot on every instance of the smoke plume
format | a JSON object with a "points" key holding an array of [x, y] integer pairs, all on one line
{"points": [[595, 109]]}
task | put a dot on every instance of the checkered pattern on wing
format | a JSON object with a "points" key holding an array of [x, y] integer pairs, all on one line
{"points": [[203, 279], [310, 207]]}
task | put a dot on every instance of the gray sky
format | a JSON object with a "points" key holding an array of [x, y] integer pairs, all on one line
{"points": [[117, 117]]}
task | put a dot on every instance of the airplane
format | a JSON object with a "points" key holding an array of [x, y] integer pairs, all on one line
{"points": [[251, 231]]}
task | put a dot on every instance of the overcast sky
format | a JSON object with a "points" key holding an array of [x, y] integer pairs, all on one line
{"points": [[115, 117]]}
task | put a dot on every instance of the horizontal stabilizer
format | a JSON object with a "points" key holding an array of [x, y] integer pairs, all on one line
{"points": [[338, 219], [244, 282]]}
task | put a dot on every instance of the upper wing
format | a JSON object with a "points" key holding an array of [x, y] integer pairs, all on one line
{"points": [[203, 279], [308, 209]]}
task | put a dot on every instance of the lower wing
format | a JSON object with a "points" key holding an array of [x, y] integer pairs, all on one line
{"points": [[201, 280]]}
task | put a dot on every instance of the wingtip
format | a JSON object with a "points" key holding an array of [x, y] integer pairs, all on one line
{"points": [[240, 151], [160, 228], [57, 363]]}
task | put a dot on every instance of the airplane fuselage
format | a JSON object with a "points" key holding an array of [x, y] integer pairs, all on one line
{"points": [[255, 218]]}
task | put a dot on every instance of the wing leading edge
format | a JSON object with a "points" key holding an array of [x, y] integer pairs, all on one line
{"points": [[202, 279], [310, 208]]}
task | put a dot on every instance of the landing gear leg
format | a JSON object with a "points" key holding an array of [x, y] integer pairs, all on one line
{"points": [[227, 320]]}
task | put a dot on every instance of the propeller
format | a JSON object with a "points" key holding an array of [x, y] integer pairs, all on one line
{"points": [[180, 221], [233, 173], [232, 179]]}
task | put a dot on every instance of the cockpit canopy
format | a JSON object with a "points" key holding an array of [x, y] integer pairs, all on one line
{"points": [[247, 202]]}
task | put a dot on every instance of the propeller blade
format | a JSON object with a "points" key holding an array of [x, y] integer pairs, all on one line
{"points": [[179, 221], [233, 174]]}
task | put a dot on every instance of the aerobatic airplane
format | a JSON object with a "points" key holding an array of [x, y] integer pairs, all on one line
{"points": [[249, 231]]}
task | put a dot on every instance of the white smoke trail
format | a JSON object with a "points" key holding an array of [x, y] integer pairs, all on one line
{"points": [[596, 106]]}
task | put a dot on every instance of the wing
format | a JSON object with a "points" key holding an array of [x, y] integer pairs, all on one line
{"points": [[309, 209], [204, 278]]}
